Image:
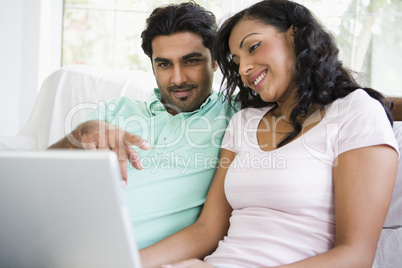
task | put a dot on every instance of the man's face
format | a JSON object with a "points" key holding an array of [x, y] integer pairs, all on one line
{"points": [[183, 70]]}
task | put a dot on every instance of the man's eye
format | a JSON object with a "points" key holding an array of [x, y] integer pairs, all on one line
{"points": [[193, 61], [254, 47], [163, 64]]}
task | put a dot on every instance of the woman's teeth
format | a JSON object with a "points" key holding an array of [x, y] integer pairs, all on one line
{"points": [[260, 78]]}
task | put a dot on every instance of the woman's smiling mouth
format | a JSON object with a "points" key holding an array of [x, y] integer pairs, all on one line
{"points": [[259, 78]]}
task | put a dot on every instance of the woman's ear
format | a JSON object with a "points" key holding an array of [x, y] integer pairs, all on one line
{"points": [[294, 28], [290, 33]]}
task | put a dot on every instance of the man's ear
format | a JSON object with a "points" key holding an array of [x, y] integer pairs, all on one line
{"points": [[152, 65], [215, 65]]}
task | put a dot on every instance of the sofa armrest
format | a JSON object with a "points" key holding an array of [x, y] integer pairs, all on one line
{"points": [[394, 217], [389, 247], [18, 143]]}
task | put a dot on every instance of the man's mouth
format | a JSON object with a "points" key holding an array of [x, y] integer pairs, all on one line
{"points": [[182, 92]]}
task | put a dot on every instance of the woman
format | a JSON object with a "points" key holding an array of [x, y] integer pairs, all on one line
{"points": [[307, 166]]}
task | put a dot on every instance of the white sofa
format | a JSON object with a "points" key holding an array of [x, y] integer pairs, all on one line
{"points": [[71, 92], [68, 95]]}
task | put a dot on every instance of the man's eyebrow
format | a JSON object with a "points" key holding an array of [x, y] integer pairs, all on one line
{"points": [[192, 55], [159, 59], [241, 43], [185, 57]]}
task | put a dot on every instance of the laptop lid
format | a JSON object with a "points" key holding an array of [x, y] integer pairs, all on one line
{"points": [[64, 209]]}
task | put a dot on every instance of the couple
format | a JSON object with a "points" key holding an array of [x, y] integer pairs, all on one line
{"points": [[324, 207]]}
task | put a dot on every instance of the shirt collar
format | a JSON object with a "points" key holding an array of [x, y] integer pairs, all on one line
{"points": [[154, 104]]}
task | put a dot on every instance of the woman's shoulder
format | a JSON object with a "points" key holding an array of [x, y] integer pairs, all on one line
{"points": [[359, 97], [356, 103], [360, 121]]}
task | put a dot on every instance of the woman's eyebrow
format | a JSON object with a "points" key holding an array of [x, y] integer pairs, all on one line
{"points": [[241, 43]]}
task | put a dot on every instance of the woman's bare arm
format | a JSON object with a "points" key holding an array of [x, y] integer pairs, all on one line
{"points": [[363, 184]]}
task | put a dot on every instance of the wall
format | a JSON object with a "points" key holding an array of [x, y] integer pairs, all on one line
{"points": [[10, 65], [30, 50]]}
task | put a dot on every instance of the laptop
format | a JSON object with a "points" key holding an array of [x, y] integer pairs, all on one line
{"points": [[64, 209]]}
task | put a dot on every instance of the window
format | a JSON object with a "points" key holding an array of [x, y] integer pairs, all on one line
{"points": [[369, 37], [107, 33]]}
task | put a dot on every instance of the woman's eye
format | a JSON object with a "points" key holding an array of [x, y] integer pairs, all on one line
{"points": [[254, 47], [235, 61]]}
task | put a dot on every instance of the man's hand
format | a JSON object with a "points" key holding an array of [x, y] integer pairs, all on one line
{"points": [[98, 135]]}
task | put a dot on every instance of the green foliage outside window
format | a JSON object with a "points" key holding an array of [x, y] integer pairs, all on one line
{"points": [[106, 33]]}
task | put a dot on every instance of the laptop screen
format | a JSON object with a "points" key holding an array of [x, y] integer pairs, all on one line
{"points": [[64, 209]]}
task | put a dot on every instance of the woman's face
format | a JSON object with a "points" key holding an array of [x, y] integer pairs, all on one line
{"points": [[265, 58]]}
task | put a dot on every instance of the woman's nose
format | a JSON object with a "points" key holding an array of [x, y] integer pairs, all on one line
{"points": [[245, 66]]}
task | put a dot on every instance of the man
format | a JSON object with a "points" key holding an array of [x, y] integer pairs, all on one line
{"points": [[178, 130]]}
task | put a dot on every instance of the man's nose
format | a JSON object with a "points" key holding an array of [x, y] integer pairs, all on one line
{"points": [[179, 75]]}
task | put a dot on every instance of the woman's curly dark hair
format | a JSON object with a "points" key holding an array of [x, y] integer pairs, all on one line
{"points": [[320, 76]]}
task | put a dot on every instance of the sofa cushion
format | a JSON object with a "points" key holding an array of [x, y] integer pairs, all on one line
{"points": [[394, 217]]}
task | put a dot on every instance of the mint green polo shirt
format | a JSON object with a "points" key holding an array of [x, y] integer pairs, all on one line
{"points": [[168, 194]]}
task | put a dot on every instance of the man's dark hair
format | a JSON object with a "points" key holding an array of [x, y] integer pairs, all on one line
{"points": [[178, 18]]}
